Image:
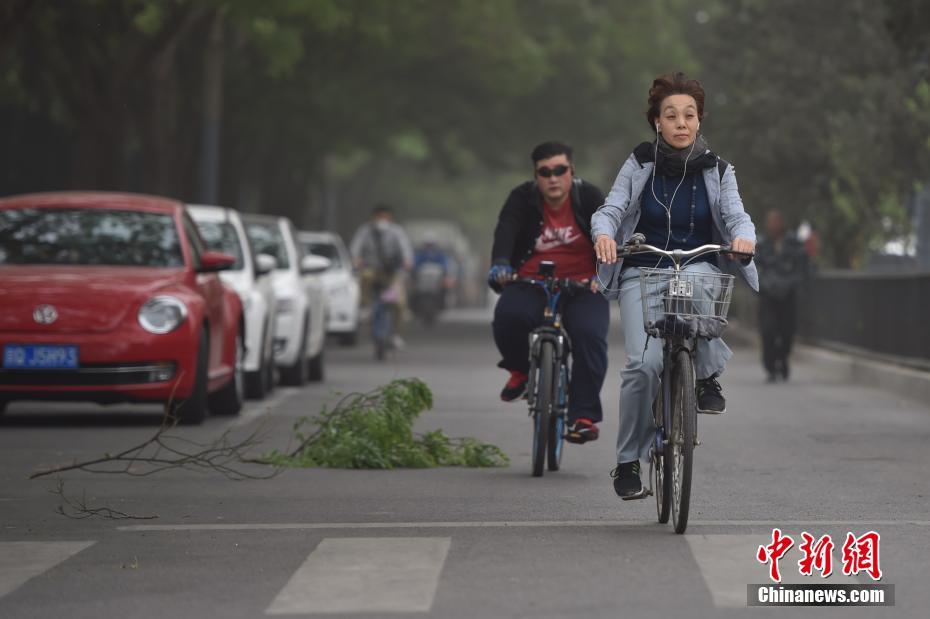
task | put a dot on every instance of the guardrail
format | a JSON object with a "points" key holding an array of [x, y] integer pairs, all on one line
{"points": [[887, 315]]}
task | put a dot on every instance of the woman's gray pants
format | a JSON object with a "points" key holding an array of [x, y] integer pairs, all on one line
{"points": [[639, 380]]}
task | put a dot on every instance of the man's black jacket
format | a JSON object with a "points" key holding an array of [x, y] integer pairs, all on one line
{"points": [[521, 220]]}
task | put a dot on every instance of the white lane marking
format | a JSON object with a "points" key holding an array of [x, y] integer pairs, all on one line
{"points": [[365, 575], [20, 561], [728, 563], [504, 523], [264, 407]]}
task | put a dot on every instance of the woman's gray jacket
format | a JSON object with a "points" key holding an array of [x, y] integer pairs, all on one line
{"points": [[620, 213]]}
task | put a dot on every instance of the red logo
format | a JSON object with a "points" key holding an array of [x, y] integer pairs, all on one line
{"points": [[860, 554], [773, 552]]}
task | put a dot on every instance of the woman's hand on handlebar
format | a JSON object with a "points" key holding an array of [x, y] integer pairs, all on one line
{"points": [[741, 245], [605, 249]]}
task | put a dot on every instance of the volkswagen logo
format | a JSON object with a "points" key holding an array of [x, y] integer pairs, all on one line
{"points": [[45, 314]]}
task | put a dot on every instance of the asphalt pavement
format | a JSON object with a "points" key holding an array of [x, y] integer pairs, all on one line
{"points": [[818, 455]]}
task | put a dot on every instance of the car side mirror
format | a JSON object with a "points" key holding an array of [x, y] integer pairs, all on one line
{"points": [[265, 264], [214, 261], [312, 264]]}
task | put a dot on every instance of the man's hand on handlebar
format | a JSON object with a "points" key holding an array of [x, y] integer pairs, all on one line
{"points": [[500, 274]]}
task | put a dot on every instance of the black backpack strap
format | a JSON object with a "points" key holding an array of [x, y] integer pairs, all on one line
{"points": [[722, 167]]}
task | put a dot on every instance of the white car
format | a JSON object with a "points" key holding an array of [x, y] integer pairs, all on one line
{"points": [[342, 288], [222, 230], [300, 327]]}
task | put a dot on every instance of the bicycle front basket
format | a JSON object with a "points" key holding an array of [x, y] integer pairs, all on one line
{"points": [[685, 303]]}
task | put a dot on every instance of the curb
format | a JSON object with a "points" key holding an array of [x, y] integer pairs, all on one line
{"points": [[902, 381]]}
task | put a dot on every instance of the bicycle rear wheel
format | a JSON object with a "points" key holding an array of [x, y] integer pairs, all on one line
{"points": [[543, 409], [662, 465], [682, 438]]}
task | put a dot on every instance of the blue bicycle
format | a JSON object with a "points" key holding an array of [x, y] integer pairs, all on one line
{"points": [[550, 370]]}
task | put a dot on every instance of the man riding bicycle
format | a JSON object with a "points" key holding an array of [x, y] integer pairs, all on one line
{"points": [[549, 219], [382, 253]]}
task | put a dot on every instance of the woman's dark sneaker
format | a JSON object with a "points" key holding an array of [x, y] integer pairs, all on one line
{"points": [[515, 387], [627, 484], [710, 397], [581, 431]]}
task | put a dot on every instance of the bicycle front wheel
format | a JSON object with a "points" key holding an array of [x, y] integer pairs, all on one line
{"points": [[543, 409], [556, 419], [681, 441], [662, 465]]}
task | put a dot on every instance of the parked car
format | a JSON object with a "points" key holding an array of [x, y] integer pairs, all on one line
{"points": [[222, 230], [300, 325], [340, 282], [109, 297]]}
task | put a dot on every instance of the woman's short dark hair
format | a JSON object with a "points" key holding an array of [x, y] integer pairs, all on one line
{"points": [[673, 84], [550, 149]]}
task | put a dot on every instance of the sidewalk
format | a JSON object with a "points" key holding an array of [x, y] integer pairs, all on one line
{"points": [[858, 368]]}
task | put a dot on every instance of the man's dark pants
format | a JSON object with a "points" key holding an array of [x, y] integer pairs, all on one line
{"points": [[777, 326], [586, 318]]}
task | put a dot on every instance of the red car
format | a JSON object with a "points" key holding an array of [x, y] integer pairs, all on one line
{"points": [[108, 297]]}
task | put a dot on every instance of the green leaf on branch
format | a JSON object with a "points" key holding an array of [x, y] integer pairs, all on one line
{"points": [[374, 430]]}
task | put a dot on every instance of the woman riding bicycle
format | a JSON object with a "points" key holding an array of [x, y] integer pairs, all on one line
{"points": [[679, 195]]}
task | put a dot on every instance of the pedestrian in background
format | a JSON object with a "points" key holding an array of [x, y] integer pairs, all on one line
{"points": [[782, 264]]}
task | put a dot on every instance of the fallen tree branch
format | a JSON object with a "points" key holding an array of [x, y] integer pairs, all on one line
{"points": [[77, 509]]}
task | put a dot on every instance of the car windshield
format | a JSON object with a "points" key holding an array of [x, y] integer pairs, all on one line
{"points": [[266, 238], [327, 250], [222, 237], [88, 236]]}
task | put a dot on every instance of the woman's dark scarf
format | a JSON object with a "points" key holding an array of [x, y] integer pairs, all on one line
{"points": [[671, 161]]}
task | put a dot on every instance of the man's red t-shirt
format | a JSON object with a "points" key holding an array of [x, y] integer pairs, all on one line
{"points": [[562, 242]]}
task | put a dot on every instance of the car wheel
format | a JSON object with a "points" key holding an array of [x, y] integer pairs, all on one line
{"points": [[228, 400], [259, 383], [296, 374], [192, 410], [315, 367], [349, 339]]}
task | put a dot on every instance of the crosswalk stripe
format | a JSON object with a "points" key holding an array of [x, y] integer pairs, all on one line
{"points": [[373, 575], [728, 563], [20, 561]]}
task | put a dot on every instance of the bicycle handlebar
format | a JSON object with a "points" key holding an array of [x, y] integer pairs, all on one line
{"points": [[676, 255], [563, 283]]}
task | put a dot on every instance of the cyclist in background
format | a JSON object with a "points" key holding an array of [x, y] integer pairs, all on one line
{"points": [[679, 195], [549, 218], [383, 255]]}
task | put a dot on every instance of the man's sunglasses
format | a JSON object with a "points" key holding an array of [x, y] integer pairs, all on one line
{"points": [[558, 170]]}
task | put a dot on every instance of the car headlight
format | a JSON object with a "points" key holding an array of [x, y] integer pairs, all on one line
{"points": [[162, 314], [286, 305]]}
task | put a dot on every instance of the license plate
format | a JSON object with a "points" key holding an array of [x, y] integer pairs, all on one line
{"points": [[40, 357], [681, 288]]}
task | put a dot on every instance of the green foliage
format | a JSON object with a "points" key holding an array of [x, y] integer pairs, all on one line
{"points": [[375, 431], [821, 116]]}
